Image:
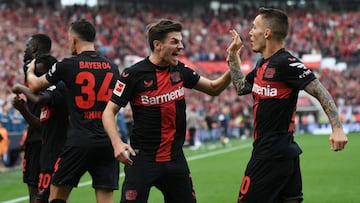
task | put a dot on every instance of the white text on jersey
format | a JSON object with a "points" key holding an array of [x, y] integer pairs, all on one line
{"points": [[171, 96], [266, 91]]}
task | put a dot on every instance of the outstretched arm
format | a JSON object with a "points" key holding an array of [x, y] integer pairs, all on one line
{"points": [[337, 139], [110, 127], [237, 76], [213, 87]]}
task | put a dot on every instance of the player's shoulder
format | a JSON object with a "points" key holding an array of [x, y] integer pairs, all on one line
{"points": [[183, 66], [287, 55], [286, 58], [46, 57], [68, 60]]}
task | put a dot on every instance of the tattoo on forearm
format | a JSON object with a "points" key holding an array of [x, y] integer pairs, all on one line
{"points": [[237, 76], [316, 89]]}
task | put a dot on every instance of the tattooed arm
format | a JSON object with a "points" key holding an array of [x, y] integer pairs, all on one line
{"points": [[237, 76], [338, 138]]}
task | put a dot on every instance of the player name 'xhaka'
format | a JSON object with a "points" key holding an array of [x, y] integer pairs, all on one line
{"points": [[94, 65]]}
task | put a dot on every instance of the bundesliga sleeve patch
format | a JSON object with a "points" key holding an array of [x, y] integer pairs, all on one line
{"points": [[119, 88]]}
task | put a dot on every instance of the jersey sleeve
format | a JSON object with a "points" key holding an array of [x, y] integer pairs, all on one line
{"points": [[190, 77], [122, 91], [55, 73], [296, 74], [250, 76], [57, 93]]}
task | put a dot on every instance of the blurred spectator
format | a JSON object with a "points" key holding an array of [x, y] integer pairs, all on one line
{"points": [[4, 145], [313, 30], [121, 124], [193, 123]]}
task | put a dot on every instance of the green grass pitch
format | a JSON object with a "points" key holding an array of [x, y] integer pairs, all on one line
{"points": [[328, 177]]}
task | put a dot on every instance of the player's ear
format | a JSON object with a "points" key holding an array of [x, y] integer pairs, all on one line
{"points": [[267, 33], [72, 38], [157, 44]]}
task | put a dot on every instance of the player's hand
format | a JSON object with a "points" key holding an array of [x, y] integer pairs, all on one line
{"points": [[236, 44], [16, 88], [121, 153], [18, 103], [31, 66], [338, 140]]}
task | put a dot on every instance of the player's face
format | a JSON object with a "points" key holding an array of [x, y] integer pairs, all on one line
{"points": [[171, 48], [257, 35], [28, 53]]}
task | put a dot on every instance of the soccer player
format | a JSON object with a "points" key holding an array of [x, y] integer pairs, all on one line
{"points": [[53, 122], [89, 78], [273, 172], [37, 45], [155, 88]]}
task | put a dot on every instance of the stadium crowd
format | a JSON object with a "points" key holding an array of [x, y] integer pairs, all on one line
{"points": [[121, 33]]}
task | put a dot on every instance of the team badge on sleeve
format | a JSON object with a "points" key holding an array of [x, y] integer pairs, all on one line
{"points": [[119, 88]]}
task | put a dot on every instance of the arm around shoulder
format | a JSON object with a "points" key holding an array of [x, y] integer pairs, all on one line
{"points": [[36, 83]]}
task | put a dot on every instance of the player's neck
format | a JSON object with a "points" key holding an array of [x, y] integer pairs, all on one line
{"points": [[156, 60], [271, 49], [85, 47]]}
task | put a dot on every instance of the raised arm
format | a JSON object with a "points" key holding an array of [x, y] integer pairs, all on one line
{"points": [[237, 76], [337, 139]]}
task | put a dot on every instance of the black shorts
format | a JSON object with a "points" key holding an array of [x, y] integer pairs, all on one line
{"points": [[44, 185], [173, 179], [31, 163], [271, 181], [98, 161]]}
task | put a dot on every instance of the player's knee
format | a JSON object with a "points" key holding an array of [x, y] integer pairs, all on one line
{"points": [[58, 201]]}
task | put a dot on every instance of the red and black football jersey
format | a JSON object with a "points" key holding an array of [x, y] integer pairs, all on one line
{"points": [[54, 123], [33, 135], [276, 83], [157, 98], [89, 78]]}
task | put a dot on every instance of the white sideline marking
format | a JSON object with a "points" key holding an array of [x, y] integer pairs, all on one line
{"points": [[195, 157]]}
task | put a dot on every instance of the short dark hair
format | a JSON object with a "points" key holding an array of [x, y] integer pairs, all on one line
{"points": [[84, 29], [277, 21], [42, 42], [159, 30]]}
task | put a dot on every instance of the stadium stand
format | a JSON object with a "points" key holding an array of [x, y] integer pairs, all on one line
{"points": [[317, 34]]}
